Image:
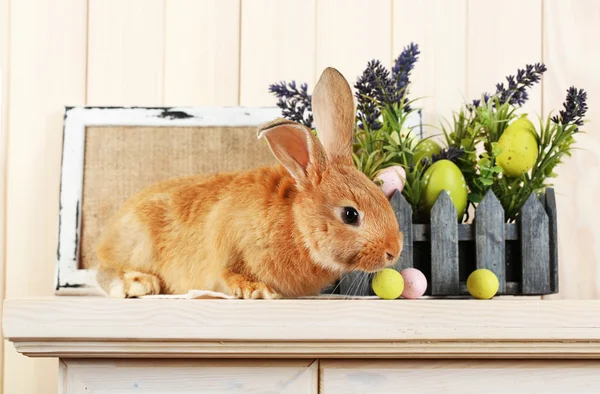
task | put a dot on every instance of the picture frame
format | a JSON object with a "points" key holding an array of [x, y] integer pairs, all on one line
{"points": [[70, 277]]}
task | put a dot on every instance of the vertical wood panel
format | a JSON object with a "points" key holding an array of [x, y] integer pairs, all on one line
{"points": [[503, 37], [350, 33], [439, 28], [535, 253], [404, 216], [277, 43], [125, 52], [47, 64], [490, 238], [202, 52], [444, 247], [4, 53], [571, 53]]}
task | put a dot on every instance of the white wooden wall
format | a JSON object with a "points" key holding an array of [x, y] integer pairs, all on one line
{"points": [[225, 52]]}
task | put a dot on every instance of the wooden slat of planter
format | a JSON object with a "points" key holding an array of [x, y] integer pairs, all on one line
{"points": [[420, 232], [489, 238], [444, 247], [466, 232], [535, 251], [550, 204], [404, 214]]}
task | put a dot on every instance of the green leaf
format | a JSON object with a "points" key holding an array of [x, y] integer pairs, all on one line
{"points": [[475, 198], [467, 143], [395, 137]]}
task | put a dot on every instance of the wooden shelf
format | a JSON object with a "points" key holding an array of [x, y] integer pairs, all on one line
{"points": [[166, 328]]}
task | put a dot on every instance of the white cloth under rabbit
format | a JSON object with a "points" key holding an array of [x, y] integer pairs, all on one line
{"points": [[207, 294]]}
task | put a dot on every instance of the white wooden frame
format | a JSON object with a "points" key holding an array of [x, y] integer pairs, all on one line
{"points": [[69, 278]]}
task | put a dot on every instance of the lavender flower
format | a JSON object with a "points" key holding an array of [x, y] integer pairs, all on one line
{"points": [[373, 88], [403, 65], [515, 93], [486, 98], [575, 108], [376, 87], [295, 104], [450, 153]]}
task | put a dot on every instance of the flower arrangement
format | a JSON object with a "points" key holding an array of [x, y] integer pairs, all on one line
{"points": [[489, 145]]}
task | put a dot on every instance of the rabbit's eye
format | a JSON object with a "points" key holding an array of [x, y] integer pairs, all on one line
{"points": [[350, 215]]}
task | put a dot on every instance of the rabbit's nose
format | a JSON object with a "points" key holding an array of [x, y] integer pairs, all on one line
{"points": [[393, 245]]}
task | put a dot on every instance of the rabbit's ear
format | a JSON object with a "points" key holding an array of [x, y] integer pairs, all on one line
{"points": [[296, 148], [333, 111]]}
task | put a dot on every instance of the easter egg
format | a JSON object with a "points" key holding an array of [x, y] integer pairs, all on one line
{"points": [[445, 175], [392, 178], [426, 148], [482, 284], [388, 284], [519, 148], [415, 283]]}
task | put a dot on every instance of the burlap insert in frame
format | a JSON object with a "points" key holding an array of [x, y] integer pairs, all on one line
{"points": [[119, 161]]}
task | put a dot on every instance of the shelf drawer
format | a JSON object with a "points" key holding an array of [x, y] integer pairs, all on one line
{"points": [[459, 376], [188, 376]]}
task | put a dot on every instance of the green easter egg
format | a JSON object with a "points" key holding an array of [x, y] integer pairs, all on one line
{"points": [[426, 148], [445, 175]]}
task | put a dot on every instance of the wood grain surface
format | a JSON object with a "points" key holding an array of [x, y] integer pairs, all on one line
{"points": [[444, 247], [90, 317], [535, 253], [185, 376], [4, 78], [460, 376], [489, 238]]}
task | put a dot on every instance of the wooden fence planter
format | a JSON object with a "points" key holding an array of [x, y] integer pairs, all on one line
{"points": [[523, 255]]}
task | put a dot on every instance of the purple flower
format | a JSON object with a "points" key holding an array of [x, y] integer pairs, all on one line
{"points": [[450, 153], [403, 65], [295, 104], [515, 93], [575, 107], [486, 98], [373, 88], [376, 87]]}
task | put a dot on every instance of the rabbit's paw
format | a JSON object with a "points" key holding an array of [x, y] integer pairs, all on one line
{"points": [[137, 284], [242, 287], [254, 291]]}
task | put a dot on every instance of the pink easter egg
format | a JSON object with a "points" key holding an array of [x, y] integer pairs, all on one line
{"points": [[393, 178], [415, 283]]}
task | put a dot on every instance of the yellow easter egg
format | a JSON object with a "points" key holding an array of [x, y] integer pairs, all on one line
{"points": [[388, 284], [482, 284], [519, 148]]}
